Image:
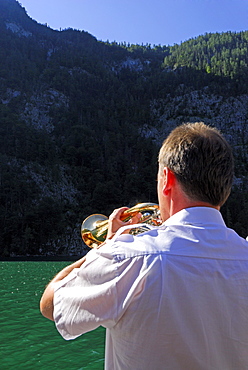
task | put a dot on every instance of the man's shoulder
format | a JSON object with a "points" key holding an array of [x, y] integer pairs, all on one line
{"points": [[150, 242], [189, 240]]}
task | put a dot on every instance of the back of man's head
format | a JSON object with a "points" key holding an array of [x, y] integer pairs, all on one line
{"points": [[202, 161]]}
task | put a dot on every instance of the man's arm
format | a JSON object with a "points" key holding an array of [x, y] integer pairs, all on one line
{"points": [[46, 302], [115, 222]]}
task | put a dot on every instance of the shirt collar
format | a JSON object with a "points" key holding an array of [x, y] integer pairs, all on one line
{"points": [[196, 216]]}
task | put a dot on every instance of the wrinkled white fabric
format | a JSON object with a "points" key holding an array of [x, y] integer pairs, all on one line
{"points": [[175, 297]]}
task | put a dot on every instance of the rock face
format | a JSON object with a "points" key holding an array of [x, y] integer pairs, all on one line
{"points": [[229, 114], [37, 108], [19, 30]]}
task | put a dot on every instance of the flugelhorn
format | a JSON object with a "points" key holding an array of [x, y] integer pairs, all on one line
{"points": [[95, 227]]}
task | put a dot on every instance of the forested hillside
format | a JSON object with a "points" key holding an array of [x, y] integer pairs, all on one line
{"points": [[81, 122]]}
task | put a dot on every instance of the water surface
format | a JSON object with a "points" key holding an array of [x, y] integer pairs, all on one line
{"points": [[29, 341]]}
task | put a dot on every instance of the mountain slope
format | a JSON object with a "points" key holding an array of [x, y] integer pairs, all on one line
{"points": [[81, 122]]}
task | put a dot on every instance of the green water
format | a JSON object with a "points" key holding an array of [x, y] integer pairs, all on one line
{"points": [[29, 341]]}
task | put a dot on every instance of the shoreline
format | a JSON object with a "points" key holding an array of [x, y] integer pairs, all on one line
{"points": [[39, 258]]}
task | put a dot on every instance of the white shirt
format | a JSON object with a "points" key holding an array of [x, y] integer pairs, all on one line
{"points": [[175, 297]]}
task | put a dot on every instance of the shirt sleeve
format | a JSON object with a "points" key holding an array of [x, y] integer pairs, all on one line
{"points": [[101, 290], [86, 298]]}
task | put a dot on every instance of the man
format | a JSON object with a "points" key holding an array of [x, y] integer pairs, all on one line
{"points": [[176, 296]]}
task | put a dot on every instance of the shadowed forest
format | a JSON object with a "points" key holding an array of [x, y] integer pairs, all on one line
{"points": [[81, 123]]}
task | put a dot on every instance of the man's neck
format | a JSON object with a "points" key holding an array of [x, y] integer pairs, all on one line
{"points": [[180, 201]]}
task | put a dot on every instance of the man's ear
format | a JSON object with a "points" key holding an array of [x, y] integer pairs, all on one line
{"points": [[169, 180]]}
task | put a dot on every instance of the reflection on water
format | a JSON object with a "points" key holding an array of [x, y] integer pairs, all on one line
{"points": [[29, 341]]}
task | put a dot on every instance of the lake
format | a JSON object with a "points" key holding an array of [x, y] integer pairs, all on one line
{"points": [[27, 339]]}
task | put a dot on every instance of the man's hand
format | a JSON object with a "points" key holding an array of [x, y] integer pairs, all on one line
{"points": [[115, 221]]}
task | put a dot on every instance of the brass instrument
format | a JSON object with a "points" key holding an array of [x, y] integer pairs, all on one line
{"points": [[95, 227]]}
